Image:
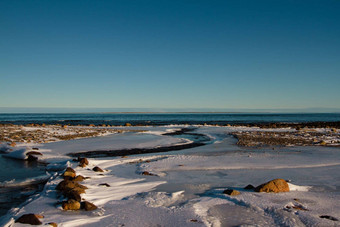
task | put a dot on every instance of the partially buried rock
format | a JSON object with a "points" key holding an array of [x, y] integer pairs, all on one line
{"points": [[13, 144], [34, 153], [79, 178], [71, 204], [329, 217], [97, 169], [53, 224], [105, 184], [69, 172], [148, 173], [31, 158], [65, 186], [249, 187], [276, 186], [32, 219], [88, 206], [83, 162], [73, 194], [231, 192]]}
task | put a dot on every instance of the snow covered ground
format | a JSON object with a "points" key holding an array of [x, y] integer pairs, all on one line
{"points": [[186, 187]]}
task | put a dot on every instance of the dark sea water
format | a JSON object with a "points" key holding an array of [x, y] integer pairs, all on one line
{"points": [[165, 118]]}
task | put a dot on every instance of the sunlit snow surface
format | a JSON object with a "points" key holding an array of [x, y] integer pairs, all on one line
{"points": [[188, 188]]}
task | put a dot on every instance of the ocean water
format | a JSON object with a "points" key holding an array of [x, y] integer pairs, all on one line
{"points": [[165, 118]]}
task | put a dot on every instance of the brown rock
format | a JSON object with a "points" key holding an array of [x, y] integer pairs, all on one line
{"points": [[146, 173], [231, 192], [69, 172], [83, 162], [53, 224], [276, 186], [97, 169], [73, 194], [33, 153], [66, 185], [71, 204], [128, 124], [31, 219], [13, 144], [79, 178], [88, 206]]}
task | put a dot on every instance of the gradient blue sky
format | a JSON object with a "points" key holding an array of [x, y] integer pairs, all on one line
{"points": [[170, 54]]}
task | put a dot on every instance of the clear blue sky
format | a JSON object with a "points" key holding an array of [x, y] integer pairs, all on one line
{"points": [[170, 54]]}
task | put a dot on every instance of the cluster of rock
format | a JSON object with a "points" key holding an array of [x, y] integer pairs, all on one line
{"points": [[72, 189], [49, 133], [305, 137], [274, 186]]}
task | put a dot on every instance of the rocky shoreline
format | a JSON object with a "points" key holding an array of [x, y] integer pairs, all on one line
{"points": [[259, 134], [34, 133], [304, 137]]}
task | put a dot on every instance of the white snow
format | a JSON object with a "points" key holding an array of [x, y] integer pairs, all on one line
{"points": [[188, 187]]}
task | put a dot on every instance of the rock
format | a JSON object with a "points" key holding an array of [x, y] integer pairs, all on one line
{"points": [[35, 148], [276, 186], [83, 162], [13, 144], [31, 158], [329, 217], [79, 178], [88, 206], [69, 172], [66, 185], [33, 153], [71, 204], [323, 143], [231, 192], [73, 194], [97, 169], [53, 224], [249, 187], [105, 184], [148, 173], [31, 219], [128, 124]]}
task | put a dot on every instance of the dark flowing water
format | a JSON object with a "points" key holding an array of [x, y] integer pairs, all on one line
{"points": [[18, 180]]}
